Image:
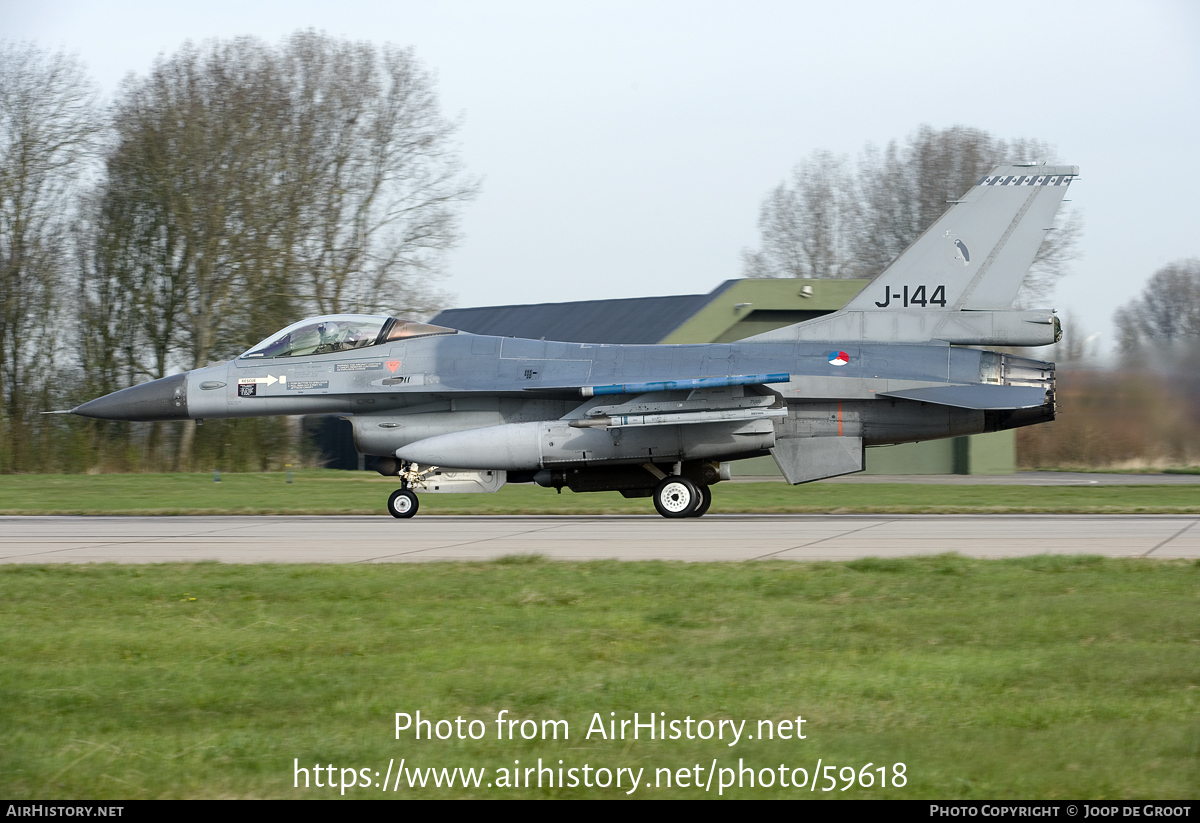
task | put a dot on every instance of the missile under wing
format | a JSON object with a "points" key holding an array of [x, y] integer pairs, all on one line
{"points": [[443, 410]]}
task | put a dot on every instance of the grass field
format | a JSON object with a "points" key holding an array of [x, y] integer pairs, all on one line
{"points": [[336, 492], [1042, 677]]}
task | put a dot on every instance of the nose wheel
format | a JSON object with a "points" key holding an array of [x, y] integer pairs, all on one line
{"points": [[403, 503]]}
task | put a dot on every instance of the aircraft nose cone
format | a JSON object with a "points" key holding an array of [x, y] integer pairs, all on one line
{"points": [[164, 399]]}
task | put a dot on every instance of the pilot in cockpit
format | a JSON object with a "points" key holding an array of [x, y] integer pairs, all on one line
{"points": [[328, 332]]}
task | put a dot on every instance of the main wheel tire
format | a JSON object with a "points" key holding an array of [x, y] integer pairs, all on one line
{"points": [[675, 497], [403, 503], [703, 501]]}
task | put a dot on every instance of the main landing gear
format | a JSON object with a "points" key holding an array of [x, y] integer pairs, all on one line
{"points": [[677, 496]]}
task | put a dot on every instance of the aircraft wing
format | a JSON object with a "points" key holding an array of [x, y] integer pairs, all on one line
{"points": [[976, 396]]}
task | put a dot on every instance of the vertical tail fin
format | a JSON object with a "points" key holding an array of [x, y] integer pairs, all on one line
{"points": [[977, 254], [957, 282]]}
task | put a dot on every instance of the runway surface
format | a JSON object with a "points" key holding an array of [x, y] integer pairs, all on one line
{"points": [[715, 537], [1017, 479]]}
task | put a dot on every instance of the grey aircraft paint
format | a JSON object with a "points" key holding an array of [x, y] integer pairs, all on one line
{"points": [[450, 411]]}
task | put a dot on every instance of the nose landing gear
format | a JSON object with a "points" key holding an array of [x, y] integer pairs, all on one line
{"points": [[403, 503]]}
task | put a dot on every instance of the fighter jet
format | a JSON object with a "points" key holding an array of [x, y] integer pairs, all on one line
{"points": [[447, 411]]}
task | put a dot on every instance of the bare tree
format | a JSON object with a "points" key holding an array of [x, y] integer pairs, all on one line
{"points": [[898, 192], [1167, 314], [190, 211], [249, 185], [48, 121], [810, 228], [383, 178], [189, 215]]}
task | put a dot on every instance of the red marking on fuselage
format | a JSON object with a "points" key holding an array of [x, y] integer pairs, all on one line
{"points": [[393, 365]]}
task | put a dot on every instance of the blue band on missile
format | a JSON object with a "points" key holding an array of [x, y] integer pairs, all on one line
{"points": [[695, 383]]}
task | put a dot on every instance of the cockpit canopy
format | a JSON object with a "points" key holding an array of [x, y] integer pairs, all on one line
{"points": [[340, 332]]}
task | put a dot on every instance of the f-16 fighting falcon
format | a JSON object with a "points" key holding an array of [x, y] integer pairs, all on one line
{"points": [[447, 411]]}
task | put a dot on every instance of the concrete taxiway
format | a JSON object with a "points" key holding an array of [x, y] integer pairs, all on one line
{"points": [[713, 538]]}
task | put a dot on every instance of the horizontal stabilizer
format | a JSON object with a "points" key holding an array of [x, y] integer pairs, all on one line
{"points": [[979, 396], [803, 459], [968, 328]]}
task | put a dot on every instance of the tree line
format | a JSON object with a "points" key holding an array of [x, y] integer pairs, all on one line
{"points": [[230, 190]]}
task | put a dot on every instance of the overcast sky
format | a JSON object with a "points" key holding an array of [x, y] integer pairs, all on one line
{"points": [[625, 147]]}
